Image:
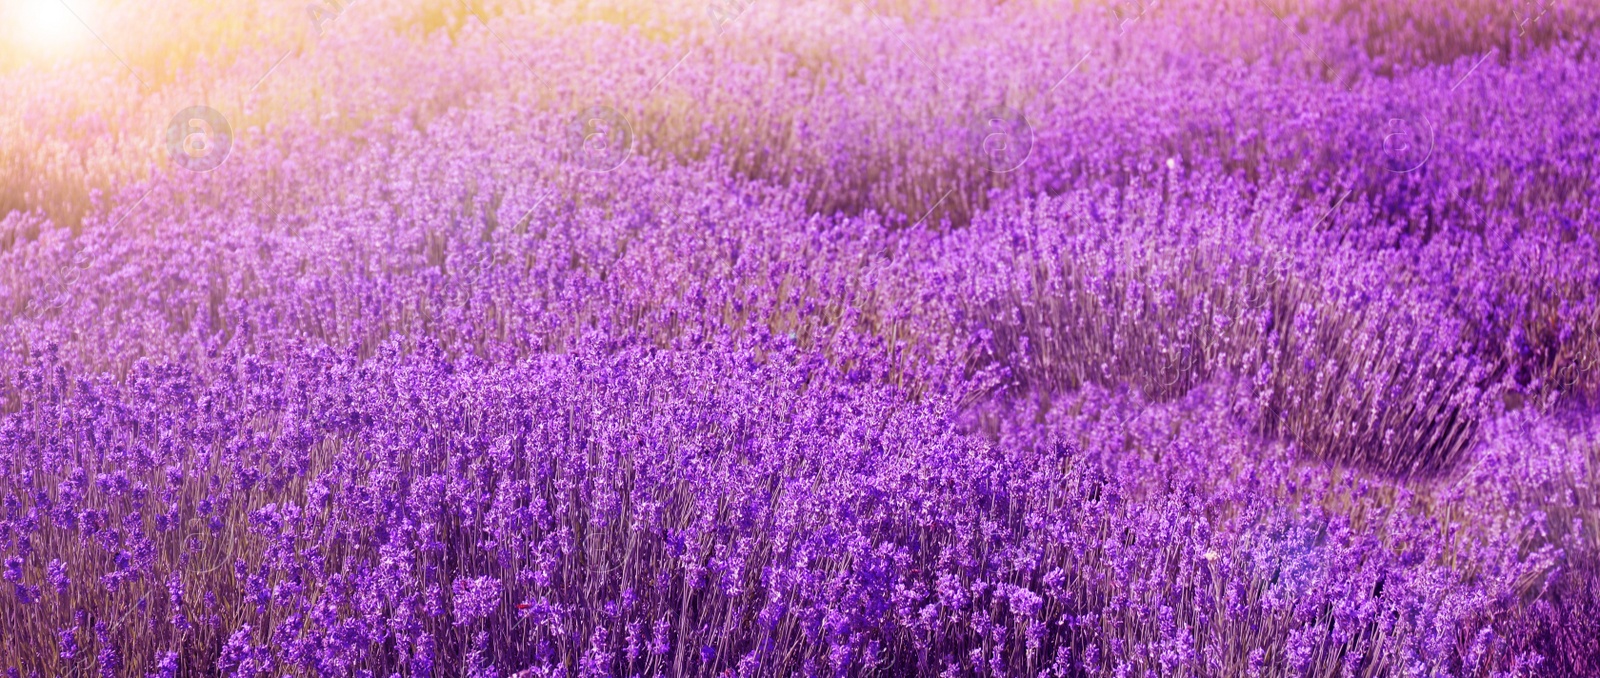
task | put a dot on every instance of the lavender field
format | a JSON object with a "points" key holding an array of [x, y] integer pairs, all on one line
{"points": [[1126, 338]]}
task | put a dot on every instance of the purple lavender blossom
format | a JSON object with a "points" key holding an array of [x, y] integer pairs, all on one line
{"points": [[475, 599], [67, 641], [56, 574]]}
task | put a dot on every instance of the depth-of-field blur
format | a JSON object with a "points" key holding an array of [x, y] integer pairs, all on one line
{"points": [[743, 338]]}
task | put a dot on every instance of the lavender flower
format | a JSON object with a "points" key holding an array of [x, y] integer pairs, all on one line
{"points": [[56, 573], [475, 599]]}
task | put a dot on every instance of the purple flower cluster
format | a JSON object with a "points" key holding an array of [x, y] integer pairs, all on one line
{"points": [[1127, 339]]}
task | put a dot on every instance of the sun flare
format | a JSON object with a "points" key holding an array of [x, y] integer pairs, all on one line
{"points": [[43, 28]]}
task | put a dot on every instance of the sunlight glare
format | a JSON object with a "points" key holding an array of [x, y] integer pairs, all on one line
{"points": [[44, 28]]}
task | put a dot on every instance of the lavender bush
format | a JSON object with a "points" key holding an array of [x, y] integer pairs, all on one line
{"points": [[1228, 338]]}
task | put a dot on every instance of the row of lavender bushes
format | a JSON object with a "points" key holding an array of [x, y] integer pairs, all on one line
{"points": [[645, 511]]}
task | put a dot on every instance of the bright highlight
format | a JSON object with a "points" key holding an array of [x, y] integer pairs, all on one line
{"points": [[43, 28]]}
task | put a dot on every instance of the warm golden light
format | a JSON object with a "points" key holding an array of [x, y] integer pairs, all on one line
{"points": [[44, 28]]}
